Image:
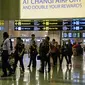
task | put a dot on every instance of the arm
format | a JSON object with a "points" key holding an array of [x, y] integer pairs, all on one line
{"points": [[8, 46], [23, 50]]}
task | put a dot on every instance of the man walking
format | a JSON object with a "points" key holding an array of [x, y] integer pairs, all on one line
{"points": [[5, 55]]}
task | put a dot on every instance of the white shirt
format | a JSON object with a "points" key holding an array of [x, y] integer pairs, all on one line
{"points": [[6, 45]]}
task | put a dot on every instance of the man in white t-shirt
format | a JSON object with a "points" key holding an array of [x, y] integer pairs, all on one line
{"points": [[5, 55]]}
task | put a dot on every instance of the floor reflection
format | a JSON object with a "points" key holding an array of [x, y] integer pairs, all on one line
{"points": [[64, 75]]}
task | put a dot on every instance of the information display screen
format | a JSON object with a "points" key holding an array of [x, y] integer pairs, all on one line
{"points": [[83, 35], [65, 35], [1, 28], [78, 35], [78, 24], [75, 22], [72, 35], [76, 28]]}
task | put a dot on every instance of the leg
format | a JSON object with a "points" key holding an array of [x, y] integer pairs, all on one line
{"points": [[4, 67], [4, 62], [69, 57], [42, 65], [34, 60], [66, 59], [9, 67], [21, 63], [54, 58], [61, 60], [49, 66], [30, 61], [15, 63]]}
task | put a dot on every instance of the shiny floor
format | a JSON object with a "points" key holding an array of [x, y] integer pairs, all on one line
{"points": [[57, 76]]}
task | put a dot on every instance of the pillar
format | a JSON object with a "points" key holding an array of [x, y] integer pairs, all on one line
{"points": [[6, 26]]}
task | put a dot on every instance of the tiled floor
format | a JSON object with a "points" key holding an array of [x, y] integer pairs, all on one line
{"points": [[57, 76]]}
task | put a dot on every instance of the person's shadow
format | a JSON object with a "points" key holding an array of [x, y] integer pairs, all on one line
{"points": [[32, 76]]}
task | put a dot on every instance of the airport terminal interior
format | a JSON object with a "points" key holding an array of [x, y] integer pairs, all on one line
{"points": [[30, 24], [58, 29]]}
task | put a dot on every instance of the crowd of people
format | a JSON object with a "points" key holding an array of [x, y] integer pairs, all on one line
{"points": [[47, 50]]}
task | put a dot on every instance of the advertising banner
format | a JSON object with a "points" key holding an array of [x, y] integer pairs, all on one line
{"points": [[50, 9]]}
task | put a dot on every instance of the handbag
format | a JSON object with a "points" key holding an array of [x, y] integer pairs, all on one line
{"points": [[38, 57], [11, 59]]}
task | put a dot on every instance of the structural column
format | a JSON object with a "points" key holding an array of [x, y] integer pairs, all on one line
{"points": [[6, 26]]}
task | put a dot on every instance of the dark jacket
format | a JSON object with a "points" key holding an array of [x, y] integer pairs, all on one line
{"points": [[19, 48], [69, 49], [44, 48], [64, 50]]}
